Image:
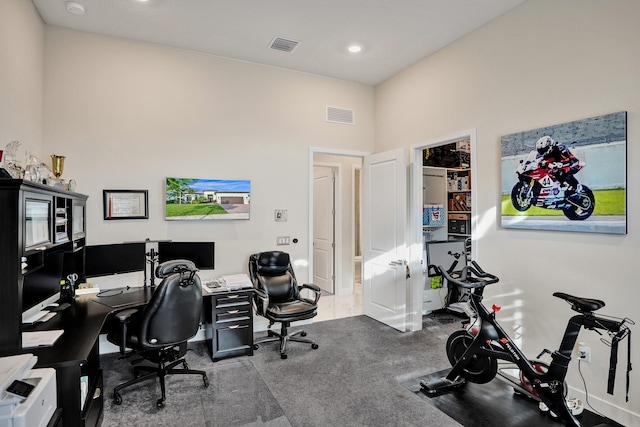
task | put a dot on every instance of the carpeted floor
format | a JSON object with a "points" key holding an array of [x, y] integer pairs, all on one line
{"points": [[363, 374], [353, 379]]}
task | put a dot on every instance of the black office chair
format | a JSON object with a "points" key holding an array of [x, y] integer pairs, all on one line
{"points": [[277, 298], [159, 331]]}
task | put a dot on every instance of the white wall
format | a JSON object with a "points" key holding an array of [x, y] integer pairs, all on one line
{"points": [[127, 115], [21, 68], [543, 63]]}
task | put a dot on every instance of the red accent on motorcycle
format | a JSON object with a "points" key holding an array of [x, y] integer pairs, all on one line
{"points": [[496, 308]]}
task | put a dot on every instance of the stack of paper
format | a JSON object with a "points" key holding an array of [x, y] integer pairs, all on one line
{"points": [[40, 338], [236, 281]]}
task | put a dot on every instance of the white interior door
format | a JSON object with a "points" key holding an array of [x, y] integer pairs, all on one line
{"points": [[323, 227], [383, 238]]}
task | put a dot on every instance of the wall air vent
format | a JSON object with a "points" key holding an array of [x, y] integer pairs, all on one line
{"points": [[340, 115], [284, 45]]}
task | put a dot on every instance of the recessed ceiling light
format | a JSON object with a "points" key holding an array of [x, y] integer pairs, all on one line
{"points": [[354, 48], [75, 8]]}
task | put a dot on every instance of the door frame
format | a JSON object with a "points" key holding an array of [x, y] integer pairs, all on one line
{"points": [[338, 288], [337, 222], [415, 217]]}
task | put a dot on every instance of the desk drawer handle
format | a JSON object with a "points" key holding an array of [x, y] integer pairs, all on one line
{"points": [[232, 296], [234, 326], [233, 311]]}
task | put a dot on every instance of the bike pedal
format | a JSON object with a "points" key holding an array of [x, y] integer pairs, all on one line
{"points": [[575, 406]]}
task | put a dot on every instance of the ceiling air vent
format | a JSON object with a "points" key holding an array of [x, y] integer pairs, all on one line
{"points": [[283, 45], [339, 115]]}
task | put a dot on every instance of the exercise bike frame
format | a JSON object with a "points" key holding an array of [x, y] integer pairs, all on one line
{"points": [[491, 341]]}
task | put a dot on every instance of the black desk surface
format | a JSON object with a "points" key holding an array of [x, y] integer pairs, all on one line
{"points": [[82, 323]]}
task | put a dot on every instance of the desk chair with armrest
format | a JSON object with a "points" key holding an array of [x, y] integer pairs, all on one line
{"points": [[158, 332], [277, 298]]}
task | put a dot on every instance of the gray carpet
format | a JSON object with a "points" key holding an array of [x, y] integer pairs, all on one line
{"points": [[354, 379]]}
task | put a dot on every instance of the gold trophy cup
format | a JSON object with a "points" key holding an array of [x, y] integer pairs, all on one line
{"points": [[57, 164]]}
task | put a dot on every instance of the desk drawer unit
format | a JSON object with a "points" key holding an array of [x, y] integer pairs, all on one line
{"points": [[231, 331]]}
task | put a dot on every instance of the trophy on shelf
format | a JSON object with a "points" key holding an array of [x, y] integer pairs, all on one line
{"points": [[57, 165]]}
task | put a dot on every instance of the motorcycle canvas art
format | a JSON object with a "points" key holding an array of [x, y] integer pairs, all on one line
{"points": [[548, 182], [567, 177]]}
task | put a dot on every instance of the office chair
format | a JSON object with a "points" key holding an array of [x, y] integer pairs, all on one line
{"points": [[159, 331], [277, 298]]}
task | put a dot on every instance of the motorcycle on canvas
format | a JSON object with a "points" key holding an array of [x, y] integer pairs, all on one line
{"points": [[538, 186]]}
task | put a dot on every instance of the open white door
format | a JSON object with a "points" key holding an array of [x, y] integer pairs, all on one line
{"points": [[384, 189], [323, 227]]}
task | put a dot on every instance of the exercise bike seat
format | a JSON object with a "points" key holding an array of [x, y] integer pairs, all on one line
{"points": [[581, 305]]}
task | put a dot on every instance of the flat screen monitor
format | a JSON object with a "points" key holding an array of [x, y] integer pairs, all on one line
{"points": [[201, 253], [119, 258], [445, 253], [41, 287]]}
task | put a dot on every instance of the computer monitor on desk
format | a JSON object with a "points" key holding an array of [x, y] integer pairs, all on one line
{"points": [[119, 258], [202, 254]]}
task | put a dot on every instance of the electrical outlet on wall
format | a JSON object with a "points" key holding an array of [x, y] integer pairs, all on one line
{"points": [[584, 352]]}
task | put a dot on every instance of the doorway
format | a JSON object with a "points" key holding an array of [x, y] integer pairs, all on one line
{"points": [[346, 218], [419, 290], [324, 225]]}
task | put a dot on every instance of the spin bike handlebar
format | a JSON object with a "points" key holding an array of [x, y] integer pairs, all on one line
{"points": [[472, 276]]}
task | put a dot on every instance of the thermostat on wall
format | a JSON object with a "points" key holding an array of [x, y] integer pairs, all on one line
{"points": [[281, 214]]}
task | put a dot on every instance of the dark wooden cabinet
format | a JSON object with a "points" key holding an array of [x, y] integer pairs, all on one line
{"points": [[75, 355], [34, 220], [37, 220], [229, 328]]}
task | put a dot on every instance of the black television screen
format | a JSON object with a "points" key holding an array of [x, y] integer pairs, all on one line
{"points": [[201, 253], [106, 260]]}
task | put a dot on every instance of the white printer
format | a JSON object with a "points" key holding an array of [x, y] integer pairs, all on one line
{"points": [[36, 409]]}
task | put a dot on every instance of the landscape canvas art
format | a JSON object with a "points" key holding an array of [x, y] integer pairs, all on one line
{"points": [[567, 177], [204, 199]]}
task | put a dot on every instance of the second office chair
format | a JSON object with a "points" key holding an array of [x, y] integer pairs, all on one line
{"points": [[278, 298]]}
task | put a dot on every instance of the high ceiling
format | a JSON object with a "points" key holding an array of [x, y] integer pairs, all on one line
{"points": [[393, 34]]}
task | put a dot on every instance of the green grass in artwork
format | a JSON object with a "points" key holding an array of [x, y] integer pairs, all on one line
{"points": [[608, 202], [195, 210]]}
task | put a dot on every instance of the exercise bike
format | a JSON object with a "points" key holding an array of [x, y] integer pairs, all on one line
{"points": [[475, 351]]}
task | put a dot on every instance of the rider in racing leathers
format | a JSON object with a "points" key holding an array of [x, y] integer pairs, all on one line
{"points": [[561, 161]]}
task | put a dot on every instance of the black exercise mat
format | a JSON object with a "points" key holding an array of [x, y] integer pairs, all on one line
{"points": [[494, 404]]}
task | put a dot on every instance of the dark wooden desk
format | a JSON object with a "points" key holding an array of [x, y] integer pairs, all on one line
{"points": [[77, 353], [229, 332]]}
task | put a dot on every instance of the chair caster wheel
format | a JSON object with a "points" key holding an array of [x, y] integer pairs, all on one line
{"points": [[314, 346], [283, 356], [256, 346], [206, 381], [160, 403], [117, 399], [303, 334]]}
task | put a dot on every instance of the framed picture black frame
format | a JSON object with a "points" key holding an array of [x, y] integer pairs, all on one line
{"points": [[125, 204]]}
